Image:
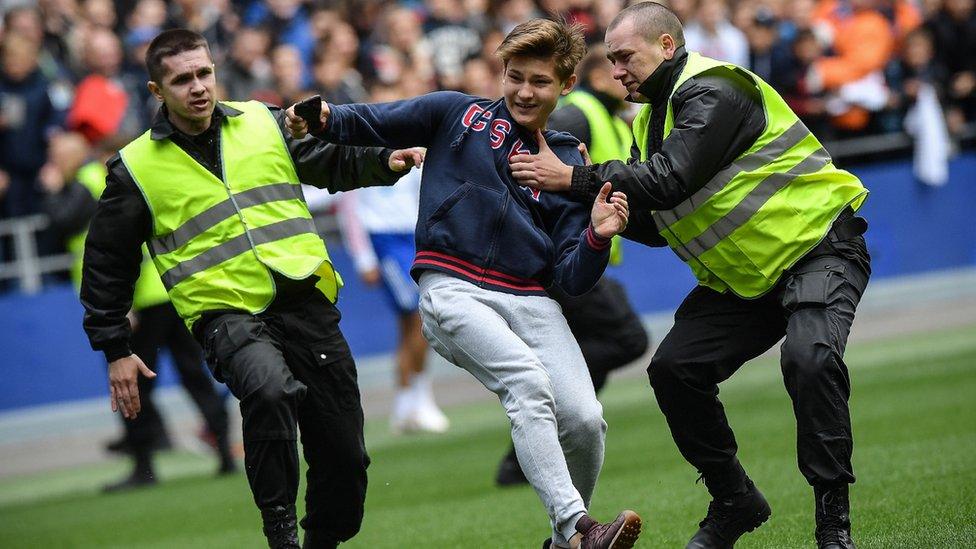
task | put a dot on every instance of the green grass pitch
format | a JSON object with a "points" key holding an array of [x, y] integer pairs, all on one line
{"points": [[914, 410]]}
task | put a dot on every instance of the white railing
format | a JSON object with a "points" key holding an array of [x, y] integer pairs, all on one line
{"points": [[26, 266]]}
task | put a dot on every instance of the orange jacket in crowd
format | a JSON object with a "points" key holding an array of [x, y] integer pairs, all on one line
{"points": [[863, 42]]}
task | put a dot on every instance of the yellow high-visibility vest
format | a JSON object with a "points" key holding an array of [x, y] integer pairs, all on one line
{"points": [[763, 212], [215, 241]]}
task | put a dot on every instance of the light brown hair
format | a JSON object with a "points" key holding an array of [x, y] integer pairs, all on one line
{"points": [[546, 39]]}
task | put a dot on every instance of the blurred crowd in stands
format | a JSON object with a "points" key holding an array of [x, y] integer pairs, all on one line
{"points": [[848, 67]]}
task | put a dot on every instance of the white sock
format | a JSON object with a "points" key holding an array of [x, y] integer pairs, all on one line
{"points": [[403, 403], [422, 388]]}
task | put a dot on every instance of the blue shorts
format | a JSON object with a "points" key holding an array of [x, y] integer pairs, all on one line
{"points": [[395, 253]]}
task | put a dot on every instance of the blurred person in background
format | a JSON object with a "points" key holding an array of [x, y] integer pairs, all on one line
{"points": [[288, 74], [914, 68], [213, 188], [954, 31], [27, 22], [903, 15], [480, 14], [147, 14], [451, 40], [861, 42], [103, 105], [288, 23], [797, 15], [683, 9], [480, 78], [712, 34], [399, 45], [74, 182], [247, 69], [609, 332], [732, 181], [99, 13], [335, 71], [805, 50], [512, 12], [322, 19], [46, 25], [603, 12], [378, 227], [202, 16], [142, 105], [28, 117], [768, 56]]}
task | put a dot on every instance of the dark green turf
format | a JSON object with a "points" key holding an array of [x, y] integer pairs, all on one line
{"points": [[914, 409]]}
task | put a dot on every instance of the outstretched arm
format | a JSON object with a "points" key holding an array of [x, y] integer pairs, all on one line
{"points": [[398, 124], [340, 168]]}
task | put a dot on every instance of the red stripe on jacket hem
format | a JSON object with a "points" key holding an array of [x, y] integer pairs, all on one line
{"points": [[475, 269], [477, 278]]}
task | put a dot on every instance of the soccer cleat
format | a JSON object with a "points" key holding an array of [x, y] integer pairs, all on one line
{"points": [[622, 533], [833, 518], [730, 517], [281, 527], [510, 472]]}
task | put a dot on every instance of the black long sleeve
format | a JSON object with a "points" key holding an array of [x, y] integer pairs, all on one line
{"points": [[337, 167], [113, 252], [71, 209], [716, 118]]}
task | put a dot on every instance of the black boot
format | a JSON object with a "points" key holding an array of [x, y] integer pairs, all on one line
{"points": [[161, 443], [281, 527], [833, 518], [316, 539], [509, 471], [137, 479], [142, 474], [729, 517]]}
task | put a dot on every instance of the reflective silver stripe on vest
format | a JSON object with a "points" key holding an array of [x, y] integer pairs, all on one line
{"points": [[767, 154], [235, 247], [744, 210], [213, 215]]}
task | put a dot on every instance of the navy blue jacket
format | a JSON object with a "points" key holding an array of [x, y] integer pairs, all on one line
{"points": [[475, 221]]}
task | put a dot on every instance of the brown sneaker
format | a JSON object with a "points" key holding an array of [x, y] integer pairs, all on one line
{"points": [[622, 533]]}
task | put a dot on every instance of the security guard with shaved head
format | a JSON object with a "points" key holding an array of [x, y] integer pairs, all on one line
{"points": [[725, 174], [214, 188]]}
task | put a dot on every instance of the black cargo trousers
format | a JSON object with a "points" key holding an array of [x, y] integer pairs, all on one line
{"points": [[714, 333], [291, 366]]}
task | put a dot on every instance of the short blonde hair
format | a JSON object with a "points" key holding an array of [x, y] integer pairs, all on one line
{"points": [[546, 39]]}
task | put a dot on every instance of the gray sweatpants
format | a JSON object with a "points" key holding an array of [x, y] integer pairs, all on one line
{"points": [[521, 349]]}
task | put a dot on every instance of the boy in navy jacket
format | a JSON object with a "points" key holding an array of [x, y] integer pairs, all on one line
{"points": [[487, 249]]}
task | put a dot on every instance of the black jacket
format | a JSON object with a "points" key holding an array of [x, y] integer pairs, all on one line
{"points": [[718, 115], [122, 222]]}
